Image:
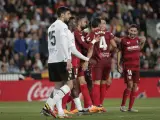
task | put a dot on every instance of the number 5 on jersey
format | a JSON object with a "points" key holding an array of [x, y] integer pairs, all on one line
{"points": [[102, 43], [52, 38]]}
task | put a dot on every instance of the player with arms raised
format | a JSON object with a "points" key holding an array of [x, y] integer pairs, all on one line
{"points": [[129, 53]]}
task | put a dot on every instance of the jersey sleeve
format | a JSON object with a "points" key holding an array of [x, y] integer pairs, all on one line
{"points": [[80, 39], [90, 37], [63, 30], [71, 38]]}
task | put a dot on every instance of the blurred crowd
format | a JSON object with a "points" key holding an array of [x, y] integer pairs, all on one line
{"points": [[23, 26]]}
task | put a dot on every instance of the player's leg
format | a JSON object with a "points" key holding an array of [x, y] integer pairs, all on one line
{"points": [[62, 75], [88, 79], [85, 92], [84, 88], [105, 84], [127, 91], [97, 73], [75, 94], [134, 91], [106, 81]]}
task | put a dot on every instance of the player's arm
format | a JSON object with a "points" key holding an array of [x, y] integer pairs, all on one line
{"points": [[113, 43], [64, 45], [73, 48], [119, 55], [142, 41], [90, 52]]}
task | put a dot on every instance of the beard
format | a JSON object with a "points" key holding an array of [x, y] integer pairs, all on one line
{"points": [[132, 35], [66, 21], [84, 27]]}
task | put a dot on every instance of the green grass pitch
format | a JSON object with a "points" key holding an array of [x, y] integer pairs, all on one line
{"points": [[149, 109]]}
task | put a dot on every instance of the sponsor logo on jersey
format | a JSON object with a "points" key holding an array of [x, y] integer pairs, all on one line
{"points": [[136, 47]]}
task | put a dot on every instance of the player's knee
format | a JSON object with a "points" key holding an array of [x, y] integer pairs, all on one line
{"points": [[82, 80], [109, 81], [135, 87], [58, 85], [70, 84], [97, 82], [74, 93], [130, 85], [103, 82]]}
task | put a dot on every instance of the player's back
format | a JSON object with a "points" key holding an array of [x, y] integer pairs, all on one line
{"points": [[130, 53], [101, 48], [55, 31]]}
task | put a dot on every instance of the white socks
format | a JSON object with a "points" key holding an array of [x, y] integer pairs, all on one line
{"points": [[78, 103], [59, 107], [58, 95]]}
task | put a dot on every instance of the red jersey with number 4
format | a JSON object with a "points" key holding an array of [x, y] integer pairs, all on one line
{"points": [[101, 48], [130, 53]]}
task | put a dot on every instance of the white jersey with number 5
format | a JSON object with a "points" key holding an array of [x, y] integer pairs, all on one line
{"points": [[55, 33]]}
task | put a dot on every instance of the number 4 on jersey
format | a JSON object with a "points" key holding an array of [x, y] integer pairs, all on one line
{"points": [[102, 43]]}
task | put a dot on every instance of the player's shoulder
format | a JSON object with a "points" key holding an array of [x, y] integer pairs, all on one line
{"points": [[60, 24], [124, 38]]}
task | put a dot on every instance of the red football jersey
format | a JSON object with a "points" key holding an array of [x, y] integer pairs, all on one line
{"points": [[130, 53], [101, 48], [81, 45]]}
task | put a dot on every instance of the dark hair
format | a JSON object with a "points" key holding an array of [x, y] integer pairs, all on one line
{"points": [[79, 17], [95, 22], [62, 10], [133, 26]]}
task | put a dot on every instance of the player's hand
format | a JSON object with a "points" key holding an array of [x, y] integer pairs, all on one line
{"points": [[119, 68], [85, 66], [69, 64], [142, 39], [97, 38]]}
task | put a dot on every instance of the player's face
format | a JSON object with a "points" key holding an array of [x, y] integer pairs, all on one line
{"points": [[67, 16], [83, 23], [72, 24], [103, 25], [133, 32]]}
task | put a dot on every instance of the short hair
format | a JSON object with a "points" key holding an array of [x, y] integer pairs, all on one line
{"points": [[133, 26], [95, 22], [79, 17], [62, 10]]}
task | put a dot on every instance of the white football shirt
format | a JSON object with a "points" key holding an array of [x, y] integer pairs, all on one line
{"points": [[71, 42], [55, 33]]}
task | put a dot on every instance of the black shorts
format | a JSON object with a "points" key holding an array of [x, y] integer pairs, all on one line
{"points": [[58, 72]]}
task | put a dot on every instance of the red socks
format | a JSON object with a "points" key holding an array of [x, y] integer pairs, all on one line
{"points": [[103, 92], [86, 95], [64, 100], [132, 99], [96, 95], [73, 107], [125, 95]]}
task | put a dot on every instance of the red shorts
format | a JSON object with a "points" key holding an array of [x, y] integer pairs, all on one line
{"points": [[131, 75], [80, 72], [101, 70]]}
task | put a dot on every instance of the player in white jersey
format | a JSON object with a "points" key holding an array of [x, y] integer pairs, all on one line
{"points": [[59, 61]]}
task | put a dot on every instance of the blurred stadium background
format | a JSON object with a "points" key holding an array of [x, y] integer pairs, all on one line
{"points": [[23, 48]]}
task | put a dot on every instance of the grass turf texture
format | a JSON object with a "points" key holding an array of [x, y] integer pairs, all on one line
{"points": [[149, 109]]}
